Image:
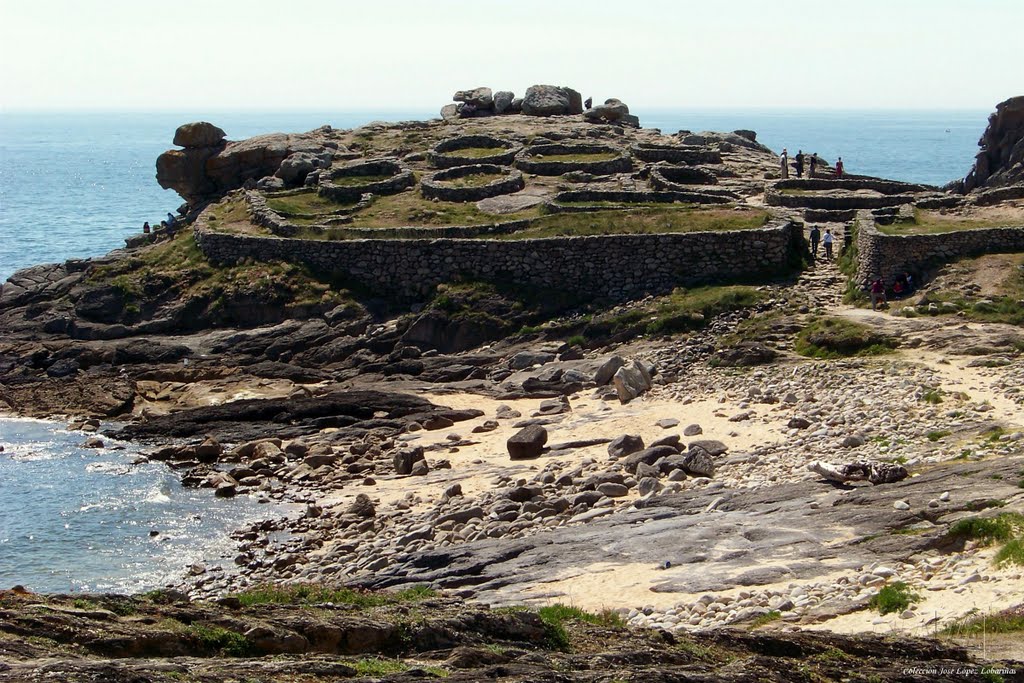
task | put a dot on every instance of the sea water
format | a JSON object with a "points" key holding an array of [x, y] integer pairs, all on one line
{"points": [[74, 185], [78, 519]]}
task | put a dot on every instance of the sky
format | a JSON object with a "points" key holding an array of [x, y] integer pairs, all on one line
{"points": [[413, 54]]}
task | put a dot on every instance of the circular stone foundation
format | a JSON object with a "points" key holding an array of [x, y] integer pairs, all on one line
{"points": [[665, 177], [436, 187], [533, 159], [382, 176], [676, 154], [446, 153]]}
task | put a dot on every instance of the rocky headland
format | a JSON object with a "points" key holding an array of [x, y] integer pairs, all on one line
{"points": [[532, 356]]}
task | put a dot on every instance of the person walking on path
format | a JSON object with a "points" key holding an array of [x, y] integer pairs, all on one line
{"points": [[877, 293], [814, 165], [799, 158], [815, 236], [827, 241], [784, 160], [839, 168]]}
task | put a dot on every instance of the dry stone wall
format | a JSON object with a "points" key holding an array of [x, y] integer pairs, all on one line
{"points": [[887, 256], [614, 266]]}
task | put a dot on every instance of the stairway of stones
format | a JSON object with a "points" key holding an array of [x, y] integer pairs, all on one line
{"points": [[821, 282]]}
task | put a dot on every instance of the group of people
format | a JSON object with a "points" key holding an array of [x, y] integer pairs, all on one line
{"points": [[901, 287], [171, 222], [799, 161], [827, 241]]}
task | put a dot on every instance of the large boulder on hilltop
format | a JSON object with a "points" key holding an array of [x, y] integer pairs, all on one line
{"points": [[481, 98], [611, 110], [199, 134], [503, 101], [294, 169], [1001, 159], [551, 100]]}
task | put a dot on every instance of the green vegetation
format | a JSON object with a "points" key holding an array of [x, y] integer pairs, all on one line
{"points": [[894, 597], [374, 666], [766, 619], [1008, 621], [574, 158], [556, 616], [410, 208], [663, 219], [475, 152], [838, 338], [312, 594], [357, 180], [682, 310], [306, 203], [221, 640], [988, 530], [474, 180], [933, 396], [938, 434], [1011, 553], [927, 222]]}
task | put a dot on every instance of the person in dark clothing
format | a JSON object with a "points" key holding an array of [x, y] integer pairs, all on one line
{"points": [[814, 165], [815, 236], [799, 159], [588, 103]]}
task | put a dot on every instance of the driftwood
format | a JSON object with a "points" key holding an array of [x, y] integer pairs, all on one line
{"points": [[874, 472]]}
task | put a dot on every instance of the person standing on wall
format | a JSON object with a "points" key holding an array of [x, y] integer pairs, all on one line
{"points": [[799, 158], [839, 168], [784, 161]]}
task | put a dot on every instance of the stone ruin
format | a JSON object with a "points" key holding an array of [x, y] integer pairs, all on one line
{"points": [[539, 100]]}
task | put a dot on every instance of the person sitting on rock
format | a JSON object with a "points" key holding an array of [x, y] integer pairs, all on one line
{"points": [[171, 220], [898, 289], [588, 103], [909, 280], [145, 228]]}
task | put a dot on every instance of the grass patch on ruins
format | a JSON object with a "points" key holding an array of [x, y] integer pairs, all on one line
{"points": [[828, 338], [473, 180], [357, 180], [375, 666], [894, 597], [475, 152], [555, 618], [315, 594], [928, 222], [411, 209], [574, 158], [306, 203], [663, 219], [680, 311]]}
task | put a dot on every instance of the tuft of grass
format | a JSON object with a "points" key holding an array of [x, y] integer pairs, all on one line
{"points": [[933, 396], [894, 597], [375, 666], [987, 530], [927, 222], [766, 619], [555, 617], [1008, 621], [837, 338], [221, 640], [938, 434], [1011, 553], [313, 594]]}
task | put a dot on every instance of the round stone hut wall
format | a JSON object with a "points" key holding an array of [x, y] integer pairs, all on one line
{"points": [[529, 161], [614, 266]]}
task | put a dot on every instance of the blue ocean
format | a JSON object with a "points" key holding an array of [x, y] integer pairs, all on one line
{"points": [[74, 185]]}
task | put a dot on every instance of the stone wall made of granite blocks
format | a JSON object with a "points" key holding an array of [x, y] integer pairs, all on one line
{"points": [[887, 256], [773, 197], [435, 187], [615, 266], [676, 154]]}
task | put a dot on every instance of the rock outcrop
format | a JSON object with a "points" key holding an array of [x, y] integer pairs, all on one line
{"points": [[551, 100], [210, 166], [1001, 159]]}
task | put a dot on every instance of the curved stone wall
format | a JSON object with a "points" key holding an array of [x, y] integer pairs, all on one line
{"points": [[434, 187], [887, 256], [526, 161], [614, 266], [261, 214], [441, 156], [666, 177], [876, 184], [676, 154], [400, 178]]}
